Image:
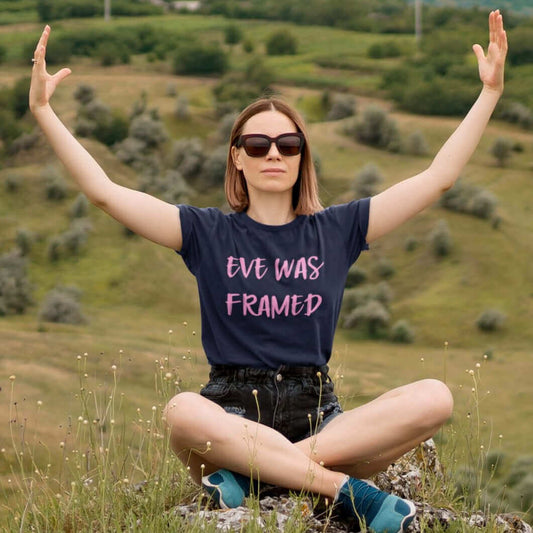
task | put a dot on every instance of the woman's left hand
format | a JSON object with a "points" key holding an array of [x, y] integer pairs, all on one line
{"points": [[491, 66]]}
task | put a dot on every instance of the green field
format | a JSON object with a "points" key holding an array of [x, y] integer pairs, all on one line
{"points": [[141, 301]]}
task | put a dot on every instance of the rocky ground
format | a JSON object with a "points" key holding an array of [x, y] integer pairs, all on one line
{"points": [[405, 478]]}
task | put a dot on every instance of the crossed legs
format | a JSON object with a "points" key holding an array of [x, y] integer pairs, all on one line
{"points": [[359, 442]]}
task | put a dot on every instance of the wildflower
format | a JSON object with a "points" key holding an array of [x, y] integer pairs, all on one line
{"points": [[168, 375], [39, 403], [170, 332], [78, 357], [478, 365], [61, 444], [185, 324], [154, 408], [421, 359], [113, 367], [12, 377], [254, 392]]}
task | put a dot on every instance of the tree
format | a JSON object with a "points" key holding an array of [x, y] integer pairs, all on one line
{"points": [[501, 149], [281, 42]]}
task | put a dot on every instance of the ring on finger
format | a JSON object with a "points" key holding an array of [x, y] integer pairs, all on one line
{"points": [[33, 60]]}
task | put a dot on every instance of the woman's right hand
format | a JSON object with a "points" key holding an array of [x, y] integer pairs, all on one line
{"points": [[43, 84]]}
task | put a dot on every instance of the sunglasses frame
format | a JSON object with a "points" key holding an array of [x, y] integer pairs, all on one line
{"points": [[271, 140]]}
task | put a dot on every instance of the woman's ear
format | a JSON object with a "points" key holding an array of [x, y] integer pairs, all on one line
{"points": [[236, 157]]}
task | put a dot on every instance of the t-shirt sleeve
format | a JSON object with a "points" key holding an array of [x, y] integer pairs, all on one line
{"points": [[197, 227], [351, 220]]}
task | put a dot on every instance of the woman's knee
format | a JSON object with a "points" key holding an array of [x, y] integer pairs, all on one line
{"points": [[436, 402], [183, 411]]}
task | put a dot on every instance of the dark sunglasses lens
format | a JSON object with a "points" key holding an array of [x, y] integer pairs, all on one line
{"points": [[256, 146], [289, 145]]}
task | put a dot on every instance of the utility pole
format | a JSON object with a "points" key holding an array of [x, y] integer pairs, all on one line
{"points": [[107, 10], [418, 22]]}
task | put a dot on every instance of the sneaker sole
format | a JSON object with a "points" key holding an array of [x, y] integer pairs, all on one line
{"points": [[408, 518], [214, 492]]}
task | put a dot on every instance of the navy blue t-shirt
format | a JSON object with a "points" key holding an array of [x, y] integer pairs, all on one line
{"points": [[271, 295]]}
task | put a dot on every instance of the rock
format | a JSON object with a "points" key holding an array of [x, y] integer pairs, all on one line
{"points": [[405, 478]]}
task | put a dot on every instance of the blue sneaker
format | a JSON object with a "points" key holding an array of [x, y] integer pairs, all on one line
{"points": [[228, 489], [379, 511]]}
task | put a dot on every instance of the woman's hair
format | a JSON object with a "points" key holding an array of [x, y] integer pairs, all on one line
{"points": [[305, 200]]}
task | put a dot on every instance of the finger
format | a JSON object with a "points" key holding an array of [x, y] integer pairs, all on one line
{"points": [[44, 38], [61, 75], [478, 50]]}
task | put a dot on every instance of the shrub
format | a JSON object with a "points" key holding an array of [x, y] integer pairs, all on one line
{"points": [[200, 58], [181, 112], [248, 46], [416, 144], [3, 53], [13, 183], [501, 150], [366, 181], [80, 206], [376, 128], [281, 42], [25, 141], [19, 96], [53, 252], [342, 106], [225, 126], [411, 244], [214, 168], [517, 113], [112, 53], [150, 131], [521, 52], [519, 470], [62, 305], [10, 127], [84, 94], [359, 296], [373, 316], [15, 288], [441, 239], [469, 199], [402, 332], [24, 240], [384, 268], [74, 239], [490, 320], [55, 185], [232, 34], [187, 156], [384, 49], [356, 276]]}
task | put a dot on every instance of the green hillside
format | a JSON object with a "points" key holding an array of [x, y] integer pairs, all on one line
{"points": [[141, 302]]}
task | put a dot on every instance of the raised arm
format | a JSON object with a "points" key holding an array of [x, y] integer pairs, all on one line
{"points": [[400, 202], [152, 218]]}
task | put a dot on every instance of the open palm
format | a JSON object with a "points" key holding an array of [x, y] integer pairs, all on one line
{"points": [[491, 66], [43, 84]]}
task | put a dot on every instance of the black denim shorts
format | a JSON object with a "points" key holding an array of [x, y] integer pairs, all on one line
{"points": [[296, 401]]}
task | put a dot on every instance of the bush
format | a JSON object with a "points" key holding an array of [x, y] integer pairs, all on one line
{"points": [[181, 112], [225, 126], [384, 49], [281, 42], [62, 305], [24, 240], [402, 332], [232, 34], [84, 94], [376, 128], [149, 130], [501, 150], [517, 113], [373, 316], [411, 244], [521, 51], [490, 320], [359, 296], [56, 187], [80, 206], [356, 276], [200, 58], [384, 268], [19, 96], [441, 239], [469, 199], [15, 288], [75, 238], [342, 106], [187, 157], [25, 141], [13, 183], [367, 180], [416, 144], [214, 168]]}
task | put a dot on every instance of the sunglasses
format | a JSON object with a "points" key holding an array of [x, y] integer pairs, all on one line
{"points": [[258, 145]]}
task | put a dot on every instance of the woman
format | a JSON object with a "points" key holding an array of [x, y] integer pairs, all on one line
{"points": [[270, 277]]}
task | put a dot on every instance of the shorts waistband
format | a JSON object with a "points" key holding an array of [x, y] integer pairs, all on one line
{"points": [[246, 373]]}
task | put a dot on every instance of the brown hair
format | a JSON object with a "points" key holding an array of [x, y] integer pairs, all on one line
{"points": [[305, 200]]}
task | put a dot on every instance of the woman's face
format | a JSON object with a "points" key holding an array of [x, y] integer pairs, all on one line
{"points": [[272, 173]]}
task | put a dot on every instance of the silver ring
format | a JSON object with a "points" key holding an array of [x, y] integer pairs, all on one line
{"points": [[33, 60]]}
